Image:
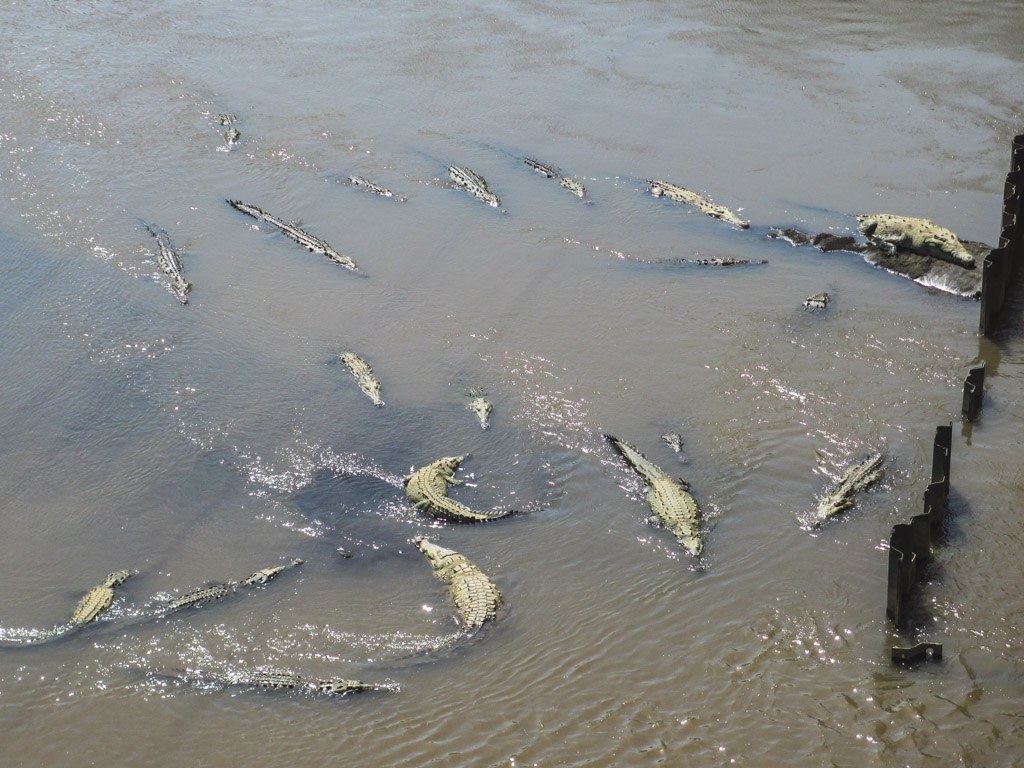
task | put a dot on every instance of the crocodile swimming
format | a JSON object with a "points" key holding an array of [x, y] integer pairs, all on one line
{"points": [[369, 186], [481, 408], [90, 607], [363, 374], [817, 301], [921, 236], [473, 183], [569, 183], [231, 134], [284, 680], [310, 242], [682, 195], [427, 489], [857, 477], [673, 440], [475, 595], [170, 264], [671, 502], [218, 591]]}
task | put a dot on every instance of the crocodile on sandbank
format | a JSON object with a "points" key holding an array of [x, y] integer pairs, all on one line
{"points": [[361, 370], [475, 596], [310, 242], [473, 183], [856, 478], [427, 489], [683, 195], [170, 264], [670, 501]]}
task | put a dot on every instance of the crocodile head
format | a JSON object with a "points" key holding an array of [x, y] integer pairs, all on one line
{"points": [[434, 552], [117, 578], [449, 464]]}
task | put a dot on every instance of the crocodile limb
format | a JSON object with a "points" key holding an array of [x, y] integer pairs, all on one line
{"points": [[475, 595], [682, 195], [305, 239], [90, 607], [170, 264], [427, 489], [857, 477], [671, 502]]}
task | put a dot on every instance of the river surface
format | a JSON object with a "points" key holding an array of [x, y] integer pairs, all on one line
{"points": [[198, 443]]}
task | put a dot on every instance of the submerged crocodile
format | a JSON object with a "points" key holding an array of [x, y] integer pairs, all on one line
{"points": [[284, 680], [921, 236], [473, 183], [817, 301], [90, 607], [218, 591], [363, 373], [673, 440], [475, 596], [856, 478], [170, 264], [567, 182], [369, 186], [231, 134], [481, 408], [427, 489], [310, 242], [682, 195], [671, 502]]}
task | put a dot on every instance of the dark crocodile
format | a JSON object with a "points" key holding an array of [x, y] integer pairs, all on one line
{"points": [[856, 478], [567, 182], [310, 242], [283, 680], [427, 489], [670, 501], [376, 189], [475, 596], [474, 183], [90, 607], [170, 264], [817, 301]]}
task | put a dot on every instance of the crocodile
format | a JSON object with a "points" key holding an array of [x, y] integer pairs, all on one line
{"points": [[170, 264], [682, 195], [231, 134], [284, 680], [673, 440], [363, 373], [219, 590], [922, 236], [569, 183], [671, 502], [481, 408], [817, 301], [90, 607], [857, 477], [369, 186], [310, 242], [475, 595], [427, 489], [473, 183]]}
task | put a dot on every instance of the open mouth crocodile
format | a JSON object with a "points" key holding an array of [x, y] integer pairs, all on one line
{"points": [[310, 242], [90, 607], [683, 195], [856, 478], [361, 370], [427, 489], [170, 264], [474, 183], [921, 236], [567, 182], [284, 680], [671, 502], [475, 596]]}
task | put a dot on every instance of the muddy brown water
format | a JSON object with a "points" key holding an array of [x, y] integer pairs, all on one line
{"points": [[197, 443]]}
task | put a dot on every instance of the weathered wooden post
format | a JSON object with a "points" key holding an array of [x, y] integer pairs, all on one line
{"points": [[974, 386]]}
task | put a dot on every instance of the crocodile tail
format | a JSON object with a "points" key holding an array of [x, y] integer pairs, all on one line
{"points": [[643, 466]]}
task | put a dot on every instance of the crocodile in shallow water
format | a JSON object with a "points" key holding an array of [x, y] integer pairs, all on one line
{"points": [[817, 301], [683, 195], [481, 407], [300, 236], [218, 591], [170, 264], [670, 501], [92, 605], [567, 182], [363, 374], [858, 477], [284, 680], [231, 134], [475, 595], [473, 183], [369, 186], [427, 489], [921, 236]]}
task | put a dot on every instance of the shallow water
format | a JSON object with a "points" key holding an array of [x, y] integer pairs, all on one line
{"points": [[201, 442]]}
